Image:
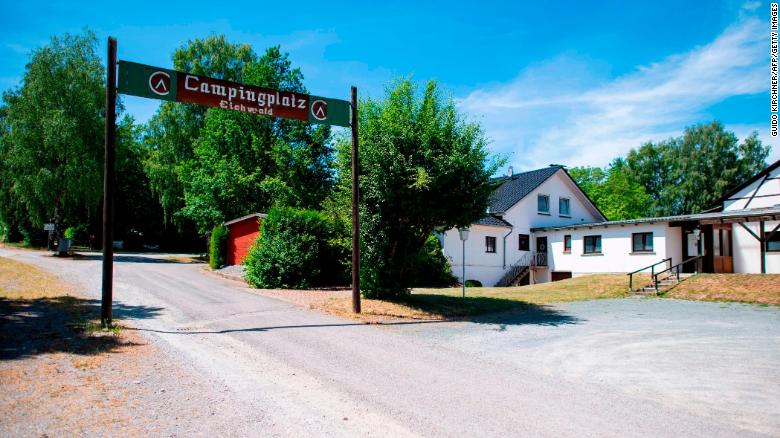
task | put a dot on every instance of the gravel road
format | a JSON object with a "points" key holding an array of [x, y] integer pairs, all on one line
{"points": [[293, 372]]}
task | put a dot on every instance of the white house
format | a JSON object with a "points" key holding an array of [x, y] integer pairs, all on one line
{"points": [[542, 227]]}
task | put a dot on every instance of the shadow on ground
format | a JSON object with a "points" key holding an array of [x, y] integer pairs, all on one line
{"points": [[479, 310], [485, 310], [130, 258], [29, 327]]}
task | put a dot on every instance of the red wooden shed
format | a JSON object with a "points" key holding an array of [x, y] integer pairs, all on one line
{"points": [[242, 233]]}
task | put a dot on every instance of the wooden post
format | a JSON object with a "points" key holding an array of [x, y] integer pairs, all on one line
{"points": [[108, 187], [355, 210]]}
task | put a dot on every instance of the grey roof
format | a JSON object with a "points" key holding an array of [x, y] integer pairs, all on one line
{"points": [[493, 221], [518, 186], [734, 214], [257, 215]]}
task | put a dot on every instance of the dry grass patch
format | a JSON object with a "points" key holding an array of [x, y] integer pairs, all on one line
{"points": [[23, 281], [442, 304], [744, 288], [186, 260], [39, 313], [586, 287]]}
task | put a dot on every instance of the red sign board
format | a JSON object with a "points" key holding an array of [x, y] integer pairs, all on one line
{"points": [[241, 97]]}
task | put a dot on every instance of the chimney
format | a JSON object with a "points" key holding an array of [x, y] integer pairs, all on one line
{"points": [[511, 172]]}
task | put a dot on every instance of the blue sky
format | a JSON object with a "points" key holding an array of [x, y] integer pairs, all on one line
{"points": [[551, 82]]}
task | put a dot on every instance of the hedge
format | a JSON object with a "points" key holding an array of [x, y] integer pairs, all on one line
{"points": [[218, 247], [296, 249]]}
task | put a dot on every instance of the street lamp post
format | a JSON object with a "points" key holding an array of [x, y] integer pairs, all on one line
{"points": [[464, 235]]}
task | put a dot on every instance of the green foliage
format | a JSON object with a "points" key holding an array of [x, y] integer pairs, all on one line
{"points": [[431, 268], [73, 232], [173, 131], [689, 174], [218, 247], [52, 147], [207, 165], [422, 166], [613, 190], [473, 283], [296, 249]]}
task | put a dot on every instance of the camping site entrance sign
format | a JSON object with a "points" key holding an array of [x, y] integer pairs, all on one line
{"points": [[159, 83], [175, 86]]}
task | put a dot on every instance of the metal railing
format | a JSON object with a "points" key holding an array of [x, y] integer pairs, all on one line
{"points": [[516, 269], [674, 271], [652, 272]]}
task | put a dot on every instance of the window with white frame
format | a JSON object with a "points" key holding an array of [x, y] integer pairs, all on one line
{"points": [[563, 207], [543, 204]]}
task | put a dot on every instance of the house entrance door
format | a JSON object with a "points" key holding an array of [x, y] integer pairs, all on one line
{"points": [[721, 249], [541, 251], [691, 248]]}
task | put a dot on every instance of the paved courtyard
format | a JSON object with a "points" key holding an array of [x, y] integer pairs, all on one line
{"points": [[626, 367], [721, 360]]}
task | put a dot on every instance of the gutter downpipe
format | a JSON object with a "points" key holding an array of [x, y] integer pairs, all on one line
{"points": [[507, 235]]}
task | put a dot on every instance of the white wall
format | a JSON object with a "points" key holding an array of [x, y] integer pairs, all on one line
{"points": [[747, 251], [616, 248], [768, 195], [480, 265], [488, 268], [524, 215]]}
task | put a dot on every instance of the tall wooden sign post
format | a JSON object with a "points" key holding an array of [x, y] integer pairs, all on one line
{"points": [[108, 188], [355, 211], [164, 84]]}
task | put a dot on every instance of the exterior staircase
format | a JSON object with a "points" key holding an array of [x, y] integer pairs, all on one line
{"points": [[664, 284], [666, 279], [517, 272]]}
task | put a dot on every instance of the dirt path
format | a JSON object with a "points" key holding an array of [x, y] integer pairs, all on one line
{"points": [[292, 372], [56, 379]]}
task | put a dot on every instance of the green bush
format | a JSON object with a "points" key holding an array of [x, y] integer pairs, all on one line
{"points": [[296, 249], [473, 283], [70, 233], [218, 247], [431, 268]]}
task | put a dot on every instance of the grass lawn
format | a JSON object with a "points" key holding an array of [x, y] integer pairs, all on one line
{"points": [[745, 288], [586, 287], [447, 303]]}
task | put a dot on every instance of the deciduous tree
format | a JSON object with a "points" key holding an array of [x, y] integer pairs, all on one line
{"points": [[53, 145], [423, 166], [689, 174]]}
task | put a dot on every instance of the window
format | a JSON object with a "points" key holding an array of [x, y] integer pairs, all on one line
{"points": [[591, 245], [490, 244], [567, 243], [543, 204], [773, 244], [642, 242], [523, 242], [563, 207]]}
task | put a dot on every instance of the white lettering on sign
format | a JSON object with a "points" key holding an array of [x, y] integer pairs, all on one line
{"points": [[193, 83]]}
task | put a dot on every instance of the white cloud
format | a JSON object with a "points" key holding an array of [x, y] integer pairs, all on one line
{"points": [[18, 48], [565, 111]]}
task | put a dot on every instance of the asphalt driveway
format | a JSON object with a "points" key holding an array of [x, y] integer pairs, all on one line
{"points": [[719, 360], [600, 368]]}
